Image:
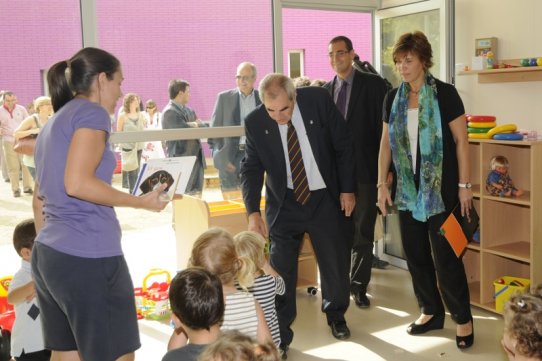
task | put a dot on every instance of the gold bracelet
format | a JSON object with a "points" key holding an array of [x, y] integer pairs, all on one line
{"points": [[380, 184]]}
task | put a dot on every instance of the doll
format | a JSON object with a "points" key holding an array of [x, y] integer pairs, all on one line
{"points": [[498, 181]]}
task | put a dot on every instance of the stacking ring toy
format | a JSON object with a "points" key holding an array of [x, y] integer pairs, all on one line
{"points": [[508, 136], [478, 130], [478, 136], [501, 129], [481, 118], [481, 124]]}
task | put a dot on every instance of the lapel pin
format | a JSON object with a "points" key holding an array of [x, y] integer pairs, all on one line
{"points": [[266, 131], [311, 122]]}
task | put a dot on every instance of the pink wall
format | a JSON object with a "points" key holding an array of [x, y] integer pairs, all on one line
{"points": [[313, 29], [200, 41], [35, 34]]}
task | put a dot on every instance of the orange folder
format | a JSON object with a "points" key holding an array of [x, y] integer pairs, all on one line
{"points": [[458, 230]]}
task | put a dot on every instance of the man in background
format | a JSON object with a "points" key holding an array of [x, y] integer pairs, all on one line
{"points": [[359, 97], [177, 115], [11, 116], [231, 108]]}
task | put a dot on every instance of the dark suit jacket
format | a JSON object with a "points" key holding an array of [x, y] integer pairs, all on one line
{"points": [[175, 117], [330, 142], [227, 112], [364, 121]]}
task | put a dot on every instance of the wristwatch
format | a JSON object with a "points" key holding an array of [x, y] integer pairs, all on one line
{"points": [[465, 185]]}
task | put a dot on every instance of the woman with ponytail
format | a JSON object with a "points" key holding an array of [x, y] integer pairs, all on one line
{"points": [[82, 281]]}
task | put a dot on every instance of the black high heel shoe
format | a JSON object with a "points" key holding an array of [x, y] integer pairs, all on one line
{"points": [[464, 342], [435, 323]]}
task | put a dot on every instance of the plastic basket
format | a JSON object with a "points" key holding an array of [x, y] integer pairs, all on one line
{"points": [[152, 299], [506, 287]]}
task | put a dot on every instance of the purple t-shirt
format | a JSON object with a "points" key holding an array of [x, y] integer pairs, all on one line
{"points": [[74, 226]]}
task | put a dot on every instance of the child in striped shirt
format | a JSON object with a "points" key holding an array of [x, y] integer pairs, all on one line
{"points": [[265, 283]]}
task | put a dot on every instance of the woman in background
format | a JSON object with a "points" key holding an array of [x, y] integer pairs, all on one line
{"points": [[131, 120], [32, 125]]}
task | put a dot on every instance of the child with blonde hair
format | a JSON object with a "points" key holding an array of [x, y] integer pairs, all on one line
{"points": [[214, 251], [265, 283]]}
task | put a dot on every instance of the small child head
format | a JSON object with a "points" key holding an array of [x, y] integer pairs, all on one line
{"points": [[214, 250], [250, 248], [523, 325], [196, 298], [499, 163], [234, 346], [23, 238]]}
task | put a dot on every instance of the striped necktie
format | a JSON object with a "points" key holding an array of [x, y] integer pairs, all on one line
{"points": [[299, 175]]}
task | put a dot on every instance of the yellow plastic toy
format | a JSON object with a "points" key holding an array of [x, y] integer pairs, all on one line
{"points": [[478, 136], [505, 128], [152, 301], [481, 124]]}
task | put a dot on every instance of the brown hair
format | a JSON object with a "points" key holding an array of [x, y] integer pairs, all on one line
{"points": [[232, 345], [128, 99], [417, 44]]}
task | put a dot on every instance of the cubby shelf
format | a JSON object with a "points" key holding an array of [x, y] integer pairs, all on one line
{"points": [[510, 227]]}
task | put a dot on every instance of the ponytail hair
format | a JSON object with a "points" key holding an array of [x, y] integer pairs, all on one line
{"points": [[75, 76]]}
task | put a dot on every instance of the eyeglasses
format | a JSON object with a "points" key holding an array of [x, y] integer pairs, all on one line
{"points": [[338, 53], [244, 78]]}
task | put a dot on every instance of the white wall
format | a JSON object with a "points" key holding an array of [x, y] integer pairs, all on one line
{"points": [[518, 26]]}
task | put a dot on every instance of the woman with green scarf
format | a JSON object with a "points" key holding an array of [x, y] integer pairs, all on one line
{"points": [[424, 137]]}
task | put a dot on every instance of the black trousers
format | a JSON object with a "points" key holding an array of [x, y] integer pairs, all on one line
{"points": [[330, 232], [430, 258], [364, 218], [44, 355]]}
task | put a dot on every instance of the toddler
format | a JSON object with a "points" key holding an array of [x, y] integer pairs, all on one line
{"points": [[265, 282], [214, 251], [27, 336], [498, 181], [235, 346], [197, 303], [522, 339]]}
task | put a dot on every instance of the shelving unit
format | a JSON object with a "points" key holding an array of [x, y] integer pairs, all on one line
{"points": [[516, 74], [511, 227]]}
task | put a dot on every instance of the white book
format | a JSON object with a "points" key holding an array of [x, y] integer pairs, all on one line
{"points": [[173, 171]]}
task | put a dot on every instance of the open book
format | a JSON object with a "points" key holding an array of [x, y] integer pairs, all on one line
{"points": [[458, 230], [175, 172]]}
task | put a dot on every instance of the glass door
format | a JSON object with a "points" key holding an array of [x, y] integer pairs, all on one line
{"points": [[432, 18]]}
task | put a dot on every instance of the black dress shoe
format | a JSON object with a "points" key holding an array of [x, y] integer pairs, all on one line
{"points": [[435, 323], [339, 330], [464, 342], [283, 350], [361, 299]]}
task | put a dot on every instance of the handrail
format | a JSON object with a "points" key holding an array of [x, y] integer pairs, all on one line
{"points": [[177, 134]]}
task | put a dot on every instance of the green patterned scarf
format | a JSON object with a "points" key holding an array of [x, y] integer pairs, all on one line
{"points": [[427, 201]]}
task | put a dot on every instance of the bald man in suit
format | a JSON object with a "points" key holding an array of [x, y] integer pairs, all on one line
{"points": [[323, 212]]}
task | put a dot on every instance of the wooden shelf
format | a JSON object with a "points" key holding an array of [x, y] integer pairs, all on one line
{"points": [[505, 75], [510, 227]]}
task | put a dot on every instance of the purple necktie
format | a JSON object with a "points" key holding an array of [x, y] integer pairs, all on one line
{"points": [[341, 99]]}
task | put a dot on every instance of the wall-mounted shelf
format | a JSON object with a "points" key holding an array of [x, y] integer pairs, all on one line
{"points": [[504, 75]]}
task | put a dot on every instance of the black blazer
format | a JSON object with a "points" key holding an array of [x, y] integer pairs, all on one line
{"points": [[330, 142], [364, 121]]}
